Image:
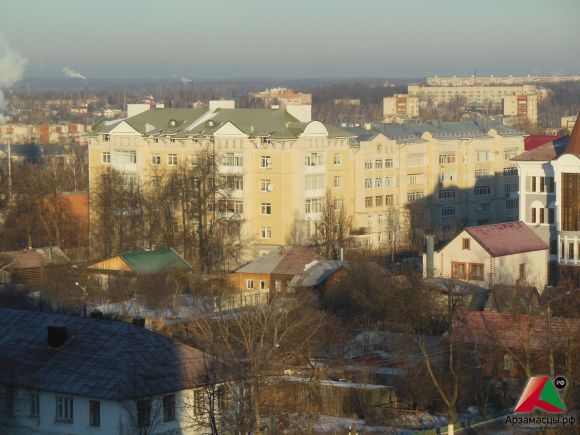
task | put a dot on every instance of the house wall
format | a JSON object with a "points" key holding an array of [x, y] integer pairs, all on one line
{"points": [[115, 417], [240, 279], [507, 269]]}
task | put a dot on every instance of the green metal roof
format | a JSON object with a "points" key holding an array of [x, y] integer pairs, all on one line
{"points": [[154, 262]]}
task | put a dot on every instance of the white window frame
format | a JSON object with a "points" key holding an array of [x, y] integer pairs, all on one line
{"points": [[249, 284], [64, 409], [155, 159], [266, 208], [106, 157], [265, 185], [338, 181], [266, 233], [337, 159], [172, 159], [266, 162]]}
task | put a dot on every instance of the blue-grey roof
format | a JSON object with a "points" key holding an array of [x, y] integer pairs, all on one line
{"points": [[412, 131], [316, 273], [101, 358]]}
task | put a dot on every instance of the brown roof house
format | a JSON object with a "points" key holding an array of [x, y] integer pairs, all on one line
{"points": [[275, 270], [507, 253], [27, 266]]}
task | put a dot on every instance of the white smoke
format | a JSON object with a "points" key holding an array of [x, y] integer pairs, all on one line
{"points": [[72, 74], [185, 80], [12, 66]]}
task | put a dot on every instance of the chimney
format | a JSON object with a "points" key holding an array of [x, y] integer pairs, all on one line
{"points": [[57, 335], [139, 322], [96, 314], [430, 253]]}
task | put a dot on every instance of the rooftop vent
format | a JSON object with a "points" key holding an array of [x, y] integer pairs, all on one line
{"points": [[139, 322], [57, 336]]}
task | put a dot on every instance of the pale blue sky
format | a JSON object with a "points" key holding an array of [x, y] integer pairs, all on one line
{"points": [[293, 39]]}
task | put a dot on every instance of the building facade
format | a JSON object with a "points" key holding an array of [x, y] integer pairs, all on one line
{"points": [[458, 173], [498, 80], [401, 104], [550, 200]]}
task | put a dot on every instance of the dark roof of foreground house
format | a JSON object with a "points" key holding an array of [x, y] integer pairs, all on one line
{"points": [[315, 273], [513, 299], [507, 238], [101, 359], [287, 260]]}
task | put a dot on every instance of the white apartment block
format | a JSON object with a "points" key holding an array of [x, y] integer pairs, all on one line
{"points": [[497, 80], [400, 104]]}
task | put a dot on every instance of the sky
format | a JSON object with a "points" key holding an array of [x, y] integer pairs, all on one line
{"points": [[235, 39]]}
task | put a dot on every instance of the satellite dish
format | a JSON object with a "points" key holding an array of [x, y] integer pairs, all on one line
{"points": [[270, 188]]}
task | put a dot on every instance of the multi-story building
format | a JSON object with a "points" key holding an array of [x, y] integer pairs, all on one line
{"points": [[516, 101], [401, 104], [283, 96], [549, 186], [498, 80], [459, 173], [43, 133], [280, 165]]}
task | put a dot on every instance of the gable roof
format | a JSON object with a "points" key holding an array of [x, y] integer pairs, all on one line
{"points": [[507, 238], [102, 359], [288, 260], [34, 258], [543, 153], [513, 299], [534, 141], [145, 263], [315, 273], [516, 332]]}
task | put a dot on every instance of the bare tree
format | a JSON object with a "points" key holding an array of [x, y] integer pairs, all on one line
{"points": [[333, 229]]}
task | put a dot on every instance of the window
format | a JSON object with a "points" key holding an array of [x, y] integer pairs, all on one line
{"points": [[169, 407], [389, 200], [155, 159], [143, 412], [378, 182], [368, 202], [523, 271], [172, 159], [368, 164], [125, 156], [106, 157], [378, 201], [415, 196], [533, 217], [482, 207], [445, 159], [476, 272], [570, 202], [235, 182], [337, 159], [390, 181], [265, 162], [338, 182], [541, 216], [33, 404], [447, 212], [198, 402], [266, 208], [551, 216], [265, 186], [379, 164], [250, 284], [389, 164], [508, 172], [313, 205], [508, 153], [64, 409], [368, 183], [415, 160], [94, 413], [480, 173], [570, 250], [262, 285], [534, 187], [465, 243], [266, 232], [233, 159], [457, 270], [447, 176], [315, 182], [508, 362], [314, 159], [511, 204], [447, 193], [483, 156], [337, 204], [482, 190], [193, 159], [510, 189]]}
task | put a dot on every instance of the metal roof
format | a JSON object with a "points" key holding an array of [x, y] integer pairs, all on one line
{"points": [[154, 262], [101, 358], [543, 153], [288, 260], [507, 238], [315, 273]]}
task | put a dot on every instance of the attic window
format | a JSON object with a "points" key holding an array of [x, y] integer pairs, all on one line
{"points": [[465, 243]]}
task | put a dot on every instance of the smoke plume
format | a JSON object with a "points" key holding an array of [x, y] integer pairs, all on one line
{"points": [[12, 66], [72, 74], [185, 80]]}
